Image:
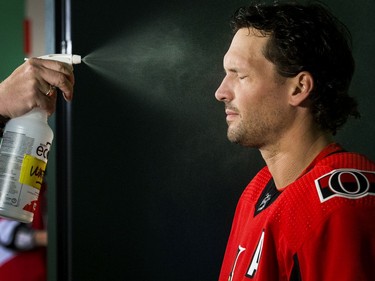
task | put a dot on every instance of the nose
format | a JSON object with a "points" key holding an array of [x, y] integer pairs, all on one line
{"points": [[223, 93]]}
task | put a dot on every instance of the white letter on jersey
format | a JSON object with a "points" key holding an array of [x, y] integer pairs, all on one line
{"points": [[256, 257], [239, 251]]}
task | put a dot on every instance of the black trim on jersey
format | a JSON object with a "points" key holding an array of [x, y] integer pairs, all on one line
{"points": [[270, 192], [268, 196], [296, 273]]}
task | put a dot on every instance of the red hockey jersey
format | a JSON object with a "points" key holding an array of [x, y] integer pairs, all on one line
{"points": [[319, 228], [28, 265]]}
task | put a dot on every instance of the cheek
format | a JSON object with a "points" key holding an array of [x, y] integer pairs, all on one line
{"points": [[262, 110], [251, 102], [257, 99]]}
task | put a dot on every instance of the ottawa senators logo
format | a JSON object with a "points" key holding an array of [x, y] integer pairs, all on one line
{"points": [[348, 183]]}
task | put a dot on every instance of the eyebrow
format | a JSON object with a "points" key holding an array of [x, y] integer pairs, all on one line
{"points": [[232, 70]]}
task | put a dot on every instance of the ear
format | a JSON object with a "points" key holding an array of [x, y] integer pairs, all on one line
{"points": [[303, 85]]}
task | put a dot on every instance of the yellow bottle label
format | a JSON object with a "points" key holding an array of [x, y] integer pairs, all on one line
{"points": [[32, 171]]}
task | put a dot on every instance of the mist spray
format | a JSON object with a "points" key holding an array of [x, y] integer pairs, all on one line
{"points": [[24, 150]]}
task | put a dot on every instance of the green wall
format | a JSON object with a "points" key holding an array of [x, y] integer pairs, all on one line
{"points": [[12, 14], [11, 34]]}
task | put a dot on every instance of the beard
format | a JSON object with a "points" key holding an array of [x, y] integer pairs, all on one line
{"points": [[257, 129], [246, 134]]}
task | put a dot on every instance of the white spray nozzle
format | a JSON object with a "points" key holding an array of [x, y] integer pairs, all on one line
{"points": [[67, 58]]}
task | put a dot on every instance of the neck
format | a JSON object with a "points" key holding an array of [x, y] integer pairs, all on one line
{"points": [[286, 161]]}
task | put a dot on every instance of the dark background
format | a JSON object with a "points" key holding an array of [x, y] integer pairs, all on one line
{"points": [[155, 181]]}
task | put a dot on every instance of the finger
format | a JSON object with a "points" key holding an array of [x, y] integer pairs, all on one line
{"points": [[64, 83], [58, 66], [48, 100], [51, 91], [56, 73], [66, 88]]}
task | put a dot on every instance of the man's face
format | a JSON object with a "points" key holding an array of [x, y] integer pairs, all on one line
{"points": [[255, 96]]}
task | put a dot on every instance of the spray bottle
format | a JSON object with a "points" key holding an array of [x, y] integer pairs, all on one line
{"points": [[24, 149]]}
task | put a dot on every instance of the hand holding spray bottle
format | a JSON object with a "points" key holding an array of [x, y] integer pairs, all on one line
{"points": [[24, 149]]}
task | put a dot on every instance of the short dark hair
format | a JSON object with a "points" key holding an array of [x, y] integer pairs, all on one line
{"points": [[308, 37]]}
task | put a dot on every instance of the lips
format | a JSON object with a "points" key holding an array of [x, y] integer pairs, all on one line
{"points": [[231, 114]]}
